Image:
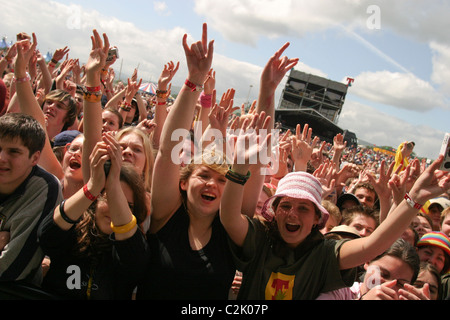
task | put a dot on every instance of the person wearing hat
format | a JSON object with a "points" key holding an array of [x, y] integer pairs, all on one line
{"points": [[61, 140], [347, 200], [435, 208], [434, 247], [343, 232], [287, 257]]}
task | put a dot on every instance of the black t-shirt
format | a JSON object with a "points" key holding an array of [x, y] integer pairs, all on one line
{"points": [[112, 274], [177, 272]]}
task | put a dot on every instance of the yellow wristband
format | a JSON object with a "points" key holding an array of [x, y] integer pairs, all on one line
{"points": [[126, 227]]}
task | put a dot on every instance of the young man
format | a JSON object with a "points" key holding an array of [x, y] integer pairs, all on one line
{"points": [[27, 194], [366, 194], [363, 219]]}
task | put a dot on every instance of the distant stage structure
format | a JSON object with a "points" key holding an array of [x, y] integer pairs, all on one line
{"points": [[314, 100]]}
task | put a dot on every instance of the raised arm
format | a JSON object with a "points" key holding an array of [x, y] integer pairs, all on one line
{"points": [[249, 145], [29, 105], [274, 71], [92, 107], [163, 91], [165, 186], [119, 208], [430, 184]]}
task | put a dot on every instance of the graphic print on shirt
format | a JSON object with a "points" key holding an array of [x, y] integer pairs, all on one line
{"points": [[279, 287]]}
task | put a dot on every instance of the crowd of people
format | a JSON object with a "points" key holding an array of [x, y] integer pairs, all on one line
{"points": [[100, 200]]}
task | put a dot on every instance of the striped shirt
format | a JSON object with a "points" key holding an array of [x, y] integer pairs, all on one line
{"points": [[20, 214]]}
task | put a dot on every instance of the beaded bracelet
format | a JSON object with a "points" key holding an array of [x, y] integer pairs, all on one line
{"points": [[94, 96], [125, 106], [64, 215], [162, 94], [237, 177], [126, 227]]}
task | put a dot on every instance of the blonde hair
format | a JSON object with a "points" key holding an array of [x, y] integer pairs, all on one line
{"points": [[212, 159], [148, 150]]}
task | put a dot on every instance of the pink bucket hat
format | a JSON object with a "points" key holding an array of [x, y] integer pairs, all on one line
{"points": [[298, 185]]}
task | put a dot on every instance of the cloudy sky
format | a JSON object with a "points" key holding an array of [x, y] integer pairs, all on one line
{"points": [[398, 51]]}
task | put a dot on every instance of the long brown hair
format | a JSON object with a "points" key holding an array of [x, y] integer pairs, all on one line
{"points": [[91, 241]]}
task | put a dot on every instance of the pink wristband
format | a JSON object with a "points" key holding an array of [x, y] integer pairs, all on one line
{"points": [[22, 80], [205, 100]]}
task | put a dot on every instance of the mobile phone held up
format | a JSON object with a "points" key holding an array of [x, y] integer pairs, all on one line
{"points": [[113, 52], [445, 150], [107, 167]]}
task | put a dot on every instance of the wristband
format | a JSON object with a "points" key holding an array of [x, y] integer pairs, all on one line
{"points": [[193, 86], [54, 61], [88, 195], [92, 89], [237, 177], [162, 103], [125, 106], [162, 94], [412, 203], [126, 227], [24, 79], [92, 96], [205, 100], [64, 216]]}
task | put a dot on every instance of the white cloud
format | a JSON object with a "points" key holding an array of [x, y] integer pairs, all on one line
{"points": [[401, 90], [419, 19], [441, 66], [161, 8], [247, 21], [383, 129]]}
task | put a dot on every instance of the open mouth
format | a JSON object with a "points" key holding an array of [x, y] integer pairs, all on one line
{"points": [[73, 164], [292, 227], [208, 197]]}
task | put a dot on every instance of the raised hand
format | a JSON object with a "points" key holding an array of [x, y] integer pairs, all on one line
{"points": [[210, 82], [431, 183], [167, 74], [60, 53], [97, 58], [276, 68], [325, 174], [251, 146], [199, 57], [302, 147], [25, 51]]}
